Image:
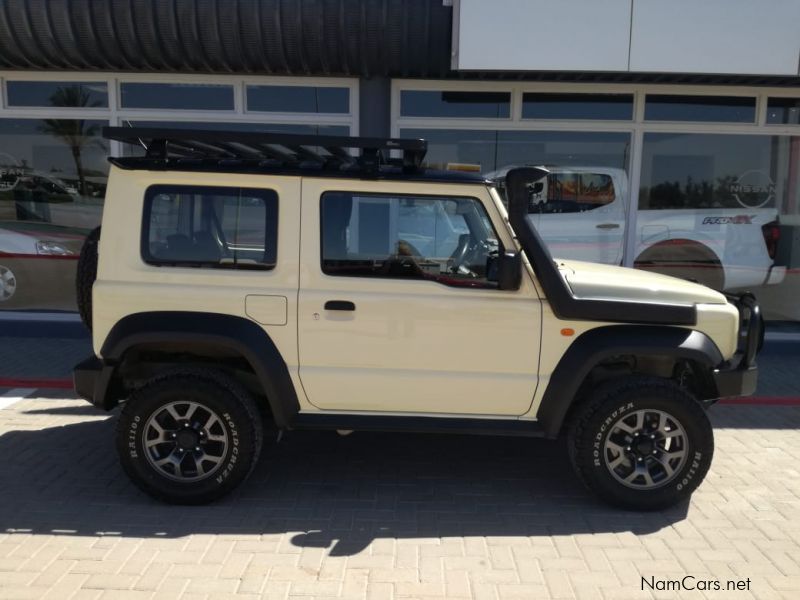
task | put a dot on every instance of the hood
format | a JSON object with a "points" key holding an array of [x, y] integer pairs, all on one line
{"points": [[603, 282]]}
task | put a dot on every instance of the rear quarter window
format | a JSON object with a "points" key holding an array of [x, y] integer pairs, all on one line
{"points": [[210, 227]]}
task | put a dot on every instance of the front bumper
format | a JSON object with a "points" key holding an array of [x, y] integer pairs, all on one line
{"points": [[739, 375]]}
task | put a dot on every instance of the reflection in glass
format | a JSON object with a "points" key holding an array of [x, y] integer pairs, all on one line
{"points": [[785, 111], [617, 107], [581, 212], [711, 171], [184, 96], [488, 105], [77, 134], [57, 93], [298, 98], [488, 151], [709, 205], [52, 182], [719, 109]]}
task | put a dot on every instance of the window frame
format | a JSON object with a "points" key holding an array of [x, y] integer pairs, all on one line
{"points": [[165, 188], [454, 283]]}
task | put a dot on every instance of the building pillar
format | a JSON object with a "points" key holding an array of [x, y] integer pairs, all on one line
{"points": [[374, 102]]}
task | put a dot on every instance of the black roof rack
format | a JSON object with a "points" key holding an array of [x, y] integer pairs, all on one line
{"points": [[256, 151]]}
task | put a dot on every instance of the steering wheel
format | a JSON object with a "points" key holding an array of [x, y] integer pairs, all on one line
{"points": [[459, 255], [463, 256]]}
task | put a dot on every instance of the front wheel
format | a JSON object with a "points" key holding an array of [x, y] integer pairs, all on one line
{"points": [[641, 443], [189, 437]]}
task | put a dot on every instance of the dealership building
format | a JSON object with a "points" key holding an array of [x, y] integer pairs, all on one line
{"points": [[671, 129]]}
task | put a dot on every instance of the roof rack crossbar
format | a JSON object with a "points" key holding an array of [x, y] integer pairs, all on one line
{"points": [[291, 150], [306, 153]]}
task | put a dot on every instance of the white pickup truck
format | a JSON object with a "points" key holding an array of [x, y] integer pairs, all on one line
{"points": [[581, 212]]}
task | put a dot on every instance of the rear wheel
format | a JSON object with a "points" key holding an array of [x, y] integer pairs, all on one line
{"points": [[641, 443], [189, 437]]}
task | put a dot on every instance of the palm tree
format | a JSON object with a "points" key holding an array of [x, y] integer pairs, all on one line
{"points": [[78, 134]]}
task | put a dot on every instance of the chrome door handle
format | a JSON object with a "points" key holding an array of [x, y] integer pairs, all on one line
{"points": [[608, 226]]}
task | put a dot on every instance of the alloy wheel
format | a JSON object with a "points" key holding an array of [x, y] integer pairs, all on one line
{"points": [[646, 449], [185, 441], [8, 283]]}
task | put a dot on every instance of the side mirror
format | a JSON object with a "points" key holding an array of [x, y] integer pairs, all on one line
{"points": [[506, 270]]}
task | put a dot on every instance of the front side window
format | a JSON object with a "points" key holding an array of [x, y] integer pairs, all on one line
{"points": [[217, 227], [449, 240]]}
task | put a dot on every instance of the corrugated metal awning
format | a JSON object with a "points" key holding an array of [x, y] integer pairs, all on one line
{"points": [[359, 38], [366, 38]]}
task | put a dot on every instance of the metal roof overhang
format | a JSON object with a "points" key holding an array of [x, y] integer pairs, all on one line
{"points": [[357, 38]]}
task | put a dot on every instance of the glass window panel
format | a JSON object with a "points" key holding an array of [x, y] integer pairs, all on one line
{"points": [[52, 183], [488, 151], [583, 219], [710, 205], [296, 98], [719, 109], [617, 107], [59, 94], [447, 240], [204, 226], [487, 105], [185, 96], [785, 111]]}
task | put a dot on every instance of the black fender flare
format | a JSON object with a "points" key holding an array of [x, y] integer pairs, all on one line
{"points": [[237, 333], [595, 345]]}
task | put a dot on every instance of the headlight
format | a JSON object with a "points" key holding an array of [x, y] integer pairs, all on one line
{"points": [[52, 248]]}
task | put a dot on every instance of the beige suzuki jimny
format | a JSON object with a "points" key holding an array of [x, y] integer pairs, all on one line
{"points": [[246, 282]]}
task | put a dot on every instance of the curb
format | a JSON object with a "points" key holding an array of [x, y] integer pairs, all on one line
{"points": [[44, 384]]}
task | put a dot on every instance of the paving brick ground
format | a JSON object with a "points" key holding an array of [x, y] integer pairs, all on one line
{"points": [[388, 516]]}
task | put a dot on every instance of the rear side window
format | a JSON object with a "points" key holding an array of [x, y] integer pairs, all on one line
{"points": [[573, 192], [212, 227]]}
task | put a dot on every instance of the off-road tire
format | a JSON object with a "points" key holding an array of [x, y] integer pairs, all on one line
{"points": [[85, 276], [592, 424], [210, 389]]}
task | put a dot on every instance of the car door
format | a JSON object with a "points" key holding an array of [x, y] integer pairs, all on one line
{"points": [[581, 215], [395, 310]]}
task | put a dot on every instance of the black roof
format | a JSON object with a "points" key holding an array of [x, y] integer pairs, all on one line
{"points": [[278, 153]]}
